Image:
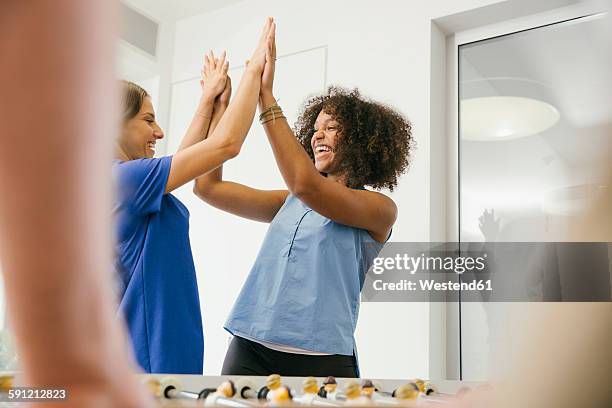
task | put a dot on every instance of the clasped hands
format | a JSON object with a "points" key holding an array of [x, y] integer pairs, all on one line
{"points": [[217, 85]]}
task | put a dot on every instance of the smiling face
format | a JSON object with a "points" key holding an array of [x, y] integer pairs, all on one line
{"points": [[370, 143], [324, 142], [140, 133]]}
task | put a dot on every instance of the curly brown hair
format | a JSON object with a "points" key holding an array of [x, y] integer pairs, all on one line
{"points": [[375, 140]]}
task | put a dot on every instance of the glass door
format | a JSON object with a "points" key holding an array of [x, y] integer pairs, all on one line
{"points": [[535, 132]]}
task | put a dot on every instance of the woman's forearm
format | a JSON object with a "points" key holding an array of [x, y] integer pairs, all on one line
{"points": [[238, 117], [200, 122], [235, 198], [215, 175], [294, 164], [225, 141]]}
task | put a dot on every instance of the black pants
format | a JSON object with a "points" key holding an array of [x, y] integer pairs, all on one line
{"points": [[245, 357]]}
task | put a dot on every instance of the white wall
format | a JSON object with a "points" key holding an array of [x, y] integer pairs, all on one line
{"points": [[384, 49], [153, 73]]}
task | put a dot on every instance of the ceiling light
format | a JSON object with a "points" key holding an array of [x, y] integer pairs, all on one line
{"points": [[493, 118]]}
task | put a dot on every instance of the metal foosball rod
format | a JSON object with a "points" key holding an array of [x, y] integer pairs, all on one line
{"points": [[170, 388], [245, 394]]}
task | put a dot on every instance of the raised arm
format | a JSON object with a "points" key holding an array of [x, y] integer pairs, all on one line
{"points": [[208, 154], [369, 210], [214, 77], [235, 198]]}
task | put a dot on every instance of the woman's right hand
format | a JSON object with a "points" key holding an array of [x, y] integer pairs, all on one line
{"points": [[267, 77], [258, 59]]}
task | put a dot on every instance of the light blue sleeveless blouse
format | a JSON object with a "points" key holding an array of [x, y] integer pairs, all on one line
{"points": [[304, 288]]}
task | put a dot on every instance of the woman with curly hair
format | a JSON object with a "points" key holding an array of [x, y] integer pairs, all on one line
{"points": [[297, 311]]}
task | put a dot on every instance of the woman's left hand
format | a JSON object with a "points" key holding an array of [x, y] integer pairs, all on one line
{"points": [[267, 77], [214, 75]]}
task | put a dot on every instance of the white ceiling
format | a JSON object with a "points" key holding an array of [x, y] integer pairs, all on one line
{"points": [[162, 10], [132, 63]]}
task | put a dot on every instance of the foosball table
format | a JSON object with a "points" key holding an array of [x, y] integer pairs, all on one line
{"points": [[274, 390]]}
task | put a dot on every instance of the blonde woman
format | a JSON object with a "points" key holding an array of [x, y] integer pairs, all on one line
{"points": [[159, 293]]}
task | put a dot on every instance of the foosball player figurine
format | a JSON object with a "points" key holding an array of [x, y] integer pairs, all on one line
{"points": [[375, 393], [309, 391], [273, 382], [329, 388], [153, 385], [352, 391], [226, 390], [280, 396], [6, 383], [407, 392], [367, 388], [421, 384], [430, 389]]}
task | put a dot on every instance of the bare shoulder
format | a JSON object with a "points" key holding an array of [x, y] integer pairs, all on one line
{"points": [[379, 198], [384, 211]]}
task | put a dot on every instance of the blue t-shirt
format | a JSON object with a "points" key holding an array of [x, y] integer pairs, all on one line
{"points": [[159, 291]]}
